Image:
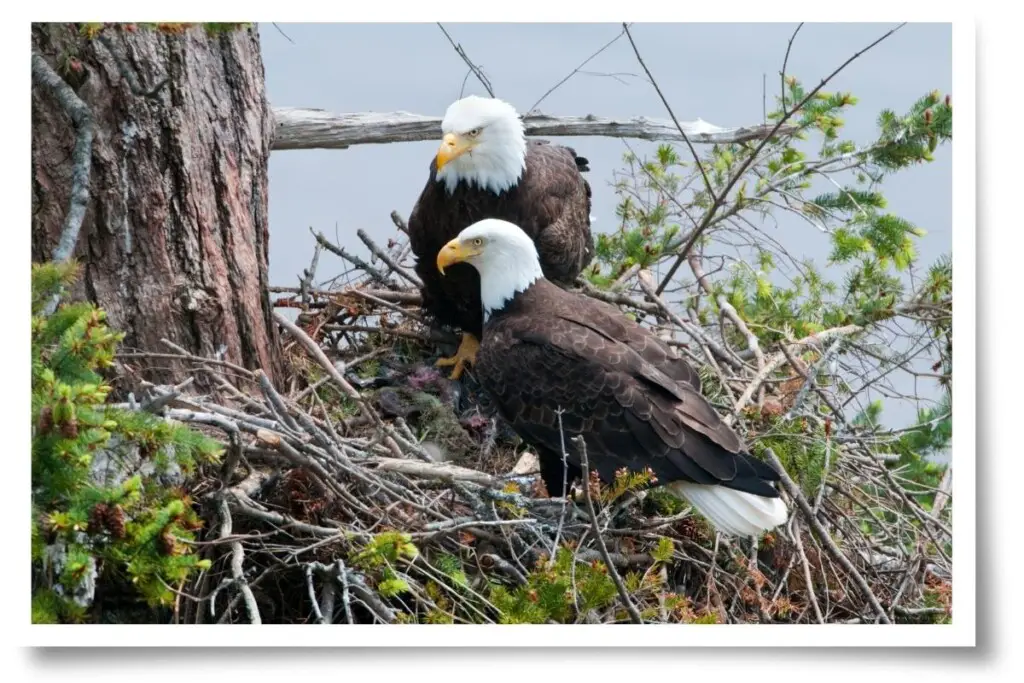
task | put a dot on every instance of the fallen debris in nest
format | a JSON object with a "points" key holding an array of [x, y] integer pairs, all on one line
{"points": [[366, 487]]}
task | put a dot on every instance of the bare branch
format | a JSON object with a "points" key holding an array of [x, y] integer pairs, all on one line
{"points": [[785, 61], [686, 139], [237, 559], [386, 258], [830, 545], [575, 71], [477, 71], [720, 200], [319, 129], [81, 159]]}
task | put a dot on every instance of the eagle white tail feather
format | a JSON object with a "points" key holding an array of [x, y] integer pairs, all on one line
{"points": [[736, 513]]}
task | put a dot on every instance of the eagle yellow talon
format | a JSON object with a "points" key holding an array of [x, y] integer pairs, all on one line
{"points": [[466, 354]]}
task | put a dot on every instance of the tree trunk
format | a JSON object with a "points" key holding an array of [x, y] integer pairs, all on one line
{"points": [[174, 240]]}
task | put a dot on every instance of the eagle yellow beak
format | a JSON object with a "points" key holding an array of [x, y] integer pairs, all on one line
{"points": [[452, 147], [454, 252]]}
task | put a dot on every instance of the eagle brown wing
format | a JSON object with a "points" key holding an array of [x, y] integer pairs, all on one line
{"points": [[555, 205], [555, 350]]}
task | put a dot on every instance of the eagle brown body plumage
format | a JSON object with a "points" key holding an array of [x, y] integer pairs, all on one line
{"points": [[551, 203], [634, 400]]}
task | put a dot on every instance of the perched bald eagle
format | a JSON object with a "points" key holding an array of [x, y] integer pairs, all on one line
{"points": [[486, 168], [634, 400]]}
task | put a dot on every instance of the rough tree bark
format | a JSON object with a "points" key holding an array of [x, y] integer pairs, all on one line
{"points": [[174, 239]]}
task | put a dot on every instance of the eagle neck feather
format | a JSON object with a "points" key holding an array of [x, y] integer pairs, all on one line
{"points": [[511, 276]]}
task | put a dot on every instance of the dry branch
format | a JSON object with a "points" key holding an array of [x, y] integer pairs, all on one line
{"points": [[319, 129], [81, 158]]}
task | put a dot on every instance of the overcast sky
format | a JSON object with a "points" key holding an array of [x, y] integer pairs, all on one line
{"points": [[710, 71]]}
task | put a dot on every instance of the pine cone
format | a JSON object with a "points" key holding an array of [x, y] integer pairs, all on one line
{"points": [[70, 429], [115, 521], [98, 517], [45, 420], [688, 529]]}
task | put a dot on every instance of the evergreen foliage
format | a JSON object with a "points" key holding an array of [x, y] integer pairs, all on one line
{"points": [[782, 298], [112, 499], [108, 497]]}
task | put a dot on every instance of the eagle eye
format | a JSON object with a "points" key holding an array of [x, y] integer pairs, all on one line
{"points": [[473, 133], [477, 242]]}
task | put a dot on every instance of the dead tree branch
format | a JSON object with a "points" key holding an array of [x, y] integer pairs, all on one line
{"points": [[477, 71], [81, 158], [318, 129]]}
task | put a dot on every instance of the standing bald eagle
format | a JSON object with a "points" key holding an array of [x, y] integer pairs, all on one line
{"points": [[636, 403], [485, 168]]}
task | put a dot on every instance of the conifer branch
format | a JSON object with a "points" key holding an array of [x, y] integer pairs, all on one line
{"points": [[739, 173]]}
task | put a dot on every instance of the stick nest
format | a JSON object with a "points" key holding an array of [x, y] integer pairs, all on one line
{"points": [[365, 487]]}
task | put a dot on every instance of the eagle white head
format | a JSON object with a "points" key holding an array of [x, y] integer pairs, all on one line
{"points": [[484, 144], [502, 253]]}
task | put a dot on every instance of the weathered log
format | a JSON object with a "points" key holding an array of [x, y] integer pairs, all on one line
{"points": [[318, 129]]}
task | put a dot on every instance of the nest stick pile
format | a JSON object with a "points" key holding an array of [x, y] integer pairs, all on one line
{"points": [[365, 487]]}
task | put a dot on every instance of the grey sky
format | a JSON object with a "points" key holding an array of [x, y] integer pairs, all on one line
{"points": [[709, 71]]}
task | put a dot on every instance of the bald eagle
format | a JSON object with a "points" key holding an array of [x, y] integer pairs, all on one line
{"points": [[486, 168], [635, 401]]}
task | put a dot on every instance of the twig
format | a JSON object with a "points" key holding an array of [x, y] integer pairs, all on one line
{"points": [[306, 281], [692, 330], [386, 258], [720, 199], [728, 310], [942, 496], [237, 560], [634, 614], [429, 470], [399, 222], [312, 596], [469, 62], [785, 61], [772, 364], [809, 376], [575, 71], [283, 33], [354, 260], [314, 350], [798, 541], [276, 402], [341, 575], [565, 486], [686, 139], [830, 545]]}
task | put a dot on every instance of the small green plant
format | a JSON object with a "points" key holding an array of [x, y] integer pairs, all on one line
{"points": [[379, 557], [108, 496], [556, 591]]}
